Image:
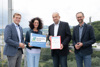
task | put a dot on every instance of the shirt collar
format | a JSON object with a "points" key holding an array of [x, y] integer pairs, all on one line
{"points": [[16, 25], [57, 24], [82, 25], [33, 31]]}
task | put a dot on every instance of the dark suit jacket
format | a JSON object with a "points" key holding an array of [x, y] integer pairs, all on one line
{"points": [[64, 32], [11, 39], [88, 38]]}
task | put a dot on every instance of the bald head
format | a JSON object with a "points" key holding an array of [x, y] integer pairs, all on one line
{"points": [[56, 17], [55, 13]]}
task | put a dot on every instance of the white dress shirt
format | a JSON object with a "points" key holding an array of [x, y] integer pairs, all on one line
{"points": [[56, 27]]}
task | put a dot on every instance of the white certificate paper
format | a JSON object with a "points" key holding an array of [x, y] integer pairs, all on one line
{"points": [[56, 42]]}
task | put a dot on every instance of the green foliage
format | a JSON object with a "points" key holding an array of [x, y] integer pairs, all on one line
{"points": [[71, 56], [95, 62], [71, 61], [96, 54], [96, 26], [3, 63], [48, 64], [46, 59], [45, 54]]}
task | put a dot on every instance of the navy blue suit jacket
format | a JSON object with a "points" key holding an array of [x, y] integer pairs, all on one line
{"points": [[88, 38], [11, 39]]}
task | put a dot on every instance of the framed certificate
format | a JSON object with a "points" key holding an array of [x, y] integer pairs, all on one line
{"points": [[37, 40], [56, 42]]}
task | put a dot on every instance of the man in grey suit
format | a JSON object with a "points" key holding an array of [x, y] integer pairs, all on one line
{"points": [[13, 37]]}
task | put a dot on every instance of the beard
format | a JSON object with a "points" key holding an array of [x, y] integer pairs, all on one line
{"points": [[80, 21]]}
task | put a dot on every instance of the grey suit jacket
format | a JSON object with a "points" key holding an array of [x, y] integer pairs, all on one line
{"points": [[11, 39]]}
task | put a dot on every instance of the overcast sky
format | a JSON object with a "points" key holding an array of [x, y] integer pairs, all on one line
{"points": [[44, 9]]}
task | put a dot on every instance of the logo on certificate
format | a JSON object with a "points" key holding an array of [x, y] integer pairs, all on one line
{"points": [[33, 38]]}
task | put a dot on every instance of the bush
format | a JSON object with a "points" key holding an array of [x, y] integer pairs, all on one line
{"points": [[95, 62]]}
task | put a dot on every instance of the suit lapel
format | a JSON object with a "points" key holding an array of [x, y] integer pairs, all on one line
{"points": [[15, 29], [59, 28], [53, 30], [84, 30], [77, 32]]}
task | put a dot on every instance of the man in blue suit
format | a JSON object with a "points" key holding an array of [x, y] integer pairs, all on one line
{"points": [[83, 38], [13, 37]]}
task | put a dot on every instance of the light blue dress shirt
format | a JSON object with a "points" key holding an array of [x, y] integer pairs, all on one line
{"points": [[18, 32], [80, 32]]}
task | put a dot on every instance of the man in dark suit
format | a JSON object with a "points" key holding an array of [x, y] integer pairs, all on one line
{"points": [[13, 36], [83, 38], [62, 29]]}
